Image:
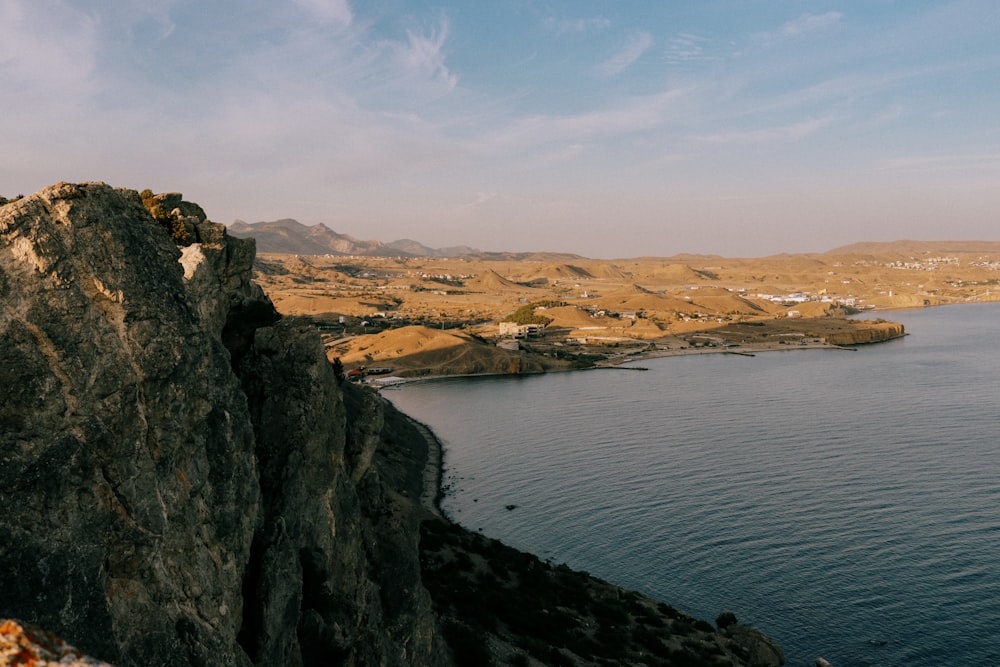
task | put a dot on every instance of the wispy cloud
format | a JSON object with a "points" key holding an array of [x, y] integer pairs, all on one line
{"points": [[782, 134], [481, 198], [636, 44], [892, 113], [685, 48], [424, 54], [160, 14], [809, 23], [796, 28], [965, 162], [630, 116], [329, 11], [563, 26]]}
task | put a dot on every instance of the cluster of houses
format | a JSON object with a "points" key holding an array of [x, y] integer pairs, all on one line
{"points": [[451, 277], [928, 264], [988, 265], [804, 297], [515, 330]]}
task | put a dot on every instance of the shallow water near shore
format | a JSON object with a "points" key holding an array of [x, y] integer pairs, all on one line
{"points": [[845, 503]]}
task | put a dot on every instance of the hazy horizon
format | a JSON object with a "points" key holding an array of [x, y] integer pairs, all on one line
{"points": [[739, 129]]}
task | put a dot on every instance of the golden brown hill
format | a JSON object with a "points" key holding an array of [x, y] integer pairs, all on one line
{"points": [[610, 272], [729, 303], [566, 272], [415, 351], [318, 305], [629, 291], [573, 317], [679, 274], [490, 280], [642, 300]]}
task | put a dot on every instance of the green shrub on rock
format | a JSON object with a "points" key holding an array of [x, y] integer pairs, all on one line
{"points": [[172, 223]]}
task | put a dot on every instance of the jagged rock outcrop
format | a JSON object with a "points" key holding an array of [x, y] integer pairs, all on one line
{"points": [[173, 477]]}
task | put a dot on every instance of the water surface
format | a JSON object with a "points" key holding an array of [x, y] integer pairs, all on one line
{"points": [[845, 503]]}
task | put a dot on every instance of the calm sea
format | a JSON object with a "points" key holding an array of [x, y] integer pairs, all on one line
{"points": [[845, 503]]}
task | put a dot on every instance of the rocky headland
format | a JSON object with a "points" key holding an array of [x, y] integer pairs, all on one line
{"points": [[187, 481]]}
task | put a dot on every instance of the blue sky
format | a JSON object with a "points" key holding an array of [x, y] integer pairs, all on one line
{"points": [[608, 129]]}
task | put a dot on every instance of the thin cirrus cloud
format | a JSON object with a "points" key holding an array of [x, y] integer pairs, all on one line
{"points": [[480, 199], [686, 48], [630, 116], [636, 44], [781, 134], [331, 11], [969, 162], [424, 53], [803, 25], [564, 26]]}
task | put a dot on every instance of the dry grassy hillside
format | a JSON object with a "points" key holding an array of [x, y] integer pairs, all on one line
{"points": [[608, 310], [416, 351]]}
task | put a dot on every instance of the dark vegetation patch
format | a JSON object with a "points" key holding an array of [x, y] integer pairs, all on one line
{"points": [[488, 594], [526, 314], [171, 223]]}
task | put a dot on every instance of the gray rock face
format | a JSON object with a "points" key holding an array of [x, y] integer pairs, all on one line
{"points": [[173, 476]]}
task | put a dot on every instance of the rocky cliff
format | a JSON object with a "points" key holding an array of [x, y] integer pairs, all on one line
{"points": [[184, 481], [179, 482]]}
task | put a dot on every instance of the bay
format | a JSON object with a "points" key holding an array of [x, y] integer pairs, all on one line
{"points": [[845, 503]]}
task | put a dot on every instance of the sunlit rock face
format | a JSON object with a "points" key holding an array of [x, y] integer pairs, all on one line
{"points": [[173, 476]]}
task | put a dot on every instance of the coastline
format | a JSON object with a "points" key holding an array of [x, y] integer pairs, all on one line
{"points": [[620, 361], [912, 352], [676, 631], [561, 352], [744, 350], [433, 472], [583, 605], [766, 651], [433, 491]]}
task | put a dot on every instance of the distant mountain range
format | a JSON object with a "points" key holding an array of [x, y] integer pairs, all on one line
{"points": [[289, 236], [909, 247]]}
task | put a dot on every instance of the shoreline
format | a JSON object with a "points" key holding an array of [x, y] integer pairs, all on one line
{"points": [[747, 350], [433, 491], [751, 349]]}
